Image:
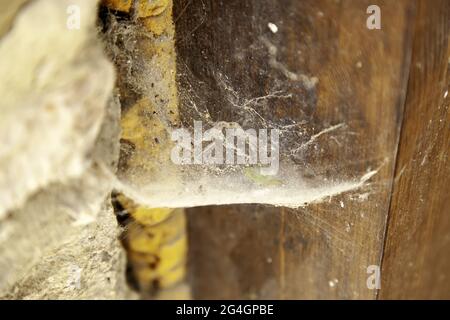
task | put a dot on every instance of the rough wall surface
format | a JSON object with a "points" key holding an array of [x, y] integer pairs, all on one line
{"points": [[58, 145], [55, 86]]}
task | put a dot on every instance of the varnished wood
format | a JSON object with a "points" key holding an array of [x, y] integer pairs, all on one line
{"points": [[416, 262], [322, 250]]}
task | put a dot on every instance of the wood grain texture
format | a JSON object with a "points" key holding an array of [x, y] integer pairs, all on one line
{"points": [[323, 250], [416, 262]]}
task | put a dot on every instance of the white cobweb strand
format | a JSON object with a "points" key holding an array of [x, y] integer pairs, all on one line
{"points": [[216, 191]]}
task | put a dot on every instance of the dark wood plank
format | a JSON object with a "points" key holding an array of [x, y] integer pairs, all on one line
{"points": [[324, 249], [234, 252], [416, 262]]}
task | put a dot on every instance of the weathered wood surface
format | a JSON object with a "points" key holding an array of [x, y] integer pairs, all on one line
{"points": [[416, 262], [322, 250]]}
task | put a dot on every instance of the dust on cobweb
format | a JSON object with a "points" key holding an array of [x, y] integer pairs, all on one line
{"points": [[210, 94], [295, 185]]}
